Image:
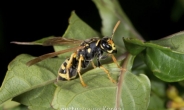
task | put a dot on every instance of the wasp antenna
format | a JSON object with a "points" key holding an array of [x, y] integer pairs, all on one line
{"points": [[115, 27], [23, 43]]}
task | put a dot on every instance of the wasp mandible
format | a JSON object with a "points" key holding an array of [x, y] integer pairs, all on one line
{"points": [[82, 55]]}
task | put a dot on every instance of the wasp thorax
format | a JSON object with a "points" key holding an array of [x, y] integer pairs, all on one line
{"points": [[108, 45]]}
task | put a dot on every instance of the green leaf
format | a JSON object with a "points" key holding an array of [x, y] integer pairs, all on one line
{"points": [[157, 95], [156, 103], [78, 29], [165, 64], [134, 46], [21, 78], [157, 98], [164, 57], [8, 105], [102, 93], [39, 98], [175, 42], [136, 92]]}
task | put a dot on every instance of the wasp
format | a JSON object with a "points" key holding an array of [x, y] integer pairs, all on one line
{"points": [[82, 55]]}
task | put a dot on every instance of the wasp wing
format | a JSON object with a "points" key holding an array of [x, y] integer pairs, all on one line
{"points": [[49, 55], [51, 41], [61, 41]]}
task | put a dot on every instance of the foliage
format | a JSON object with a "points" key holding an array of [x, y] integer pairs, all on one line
{"points": [[36, 86]]}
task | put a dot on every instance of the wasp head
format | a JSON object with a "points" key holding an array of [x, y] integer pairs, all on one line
{"points": [[108, 45]]}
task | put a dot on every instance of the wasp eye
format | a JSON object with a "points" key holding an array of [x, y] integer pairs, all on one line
{"points": [[103, 44], [106, 46]]}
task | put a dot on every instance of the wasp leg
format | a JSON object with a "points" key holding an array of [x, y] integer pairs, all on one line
{"points": [[116, 62], [78, 70], [93, 64], [108, 74], [106, 71]]}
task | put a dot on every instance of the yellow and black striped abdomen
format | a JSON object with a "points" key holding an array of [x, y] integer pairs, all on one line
{"points": [[68, 69]]}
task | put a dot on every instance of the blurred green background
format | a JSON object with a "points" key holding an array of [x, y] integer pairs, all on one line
{"points": [[29, 21]]}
